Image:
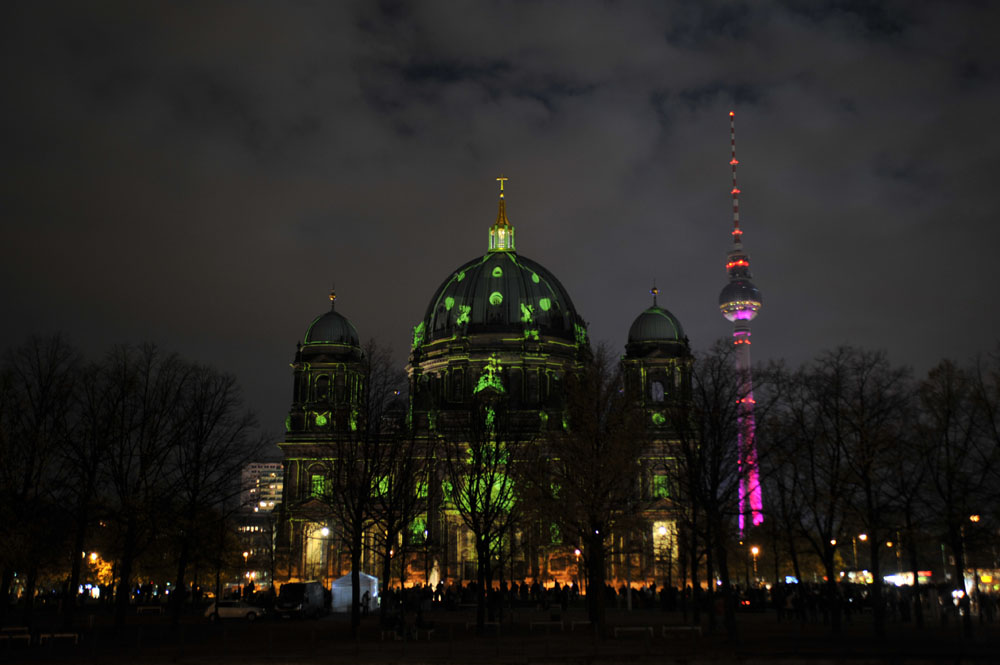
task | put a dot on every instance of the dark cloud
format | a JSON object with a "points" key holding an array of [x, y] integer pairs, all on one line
{"points": [[199, 174]]}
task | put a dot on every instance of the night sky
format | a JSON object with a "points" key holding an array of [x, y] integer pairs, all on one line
{"points": [[199, 174]]}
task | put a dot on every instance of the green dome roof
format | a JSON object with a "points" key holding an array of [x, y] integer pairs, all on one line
{"points": [[655, 325], [332, 328], [500, 292]]}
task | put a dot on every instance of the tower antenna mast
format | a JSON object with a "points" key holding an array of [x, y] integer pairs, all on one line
{"points": [[739, 301]]}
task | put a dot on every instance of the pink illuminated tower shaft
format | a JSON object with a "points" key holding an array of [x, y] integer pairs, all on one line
{"points": [[739, 301]]}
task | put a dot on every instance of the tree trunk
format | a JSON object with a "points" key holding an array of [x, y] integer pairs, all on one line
{"points": [[918, 605], [878, 602], [695, 583], [595, 583], [355, 583], [69, 609], [386, 574], [124, 590], [482, 561], [5, 583], [728, 597], [29, 595], [958, 547], [713, 620], [177, 597], [832, 595], [795, 557]]}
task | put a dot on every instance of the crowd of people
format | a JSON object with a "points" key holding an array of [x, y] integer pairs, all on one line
{"points": [[804, 602]]}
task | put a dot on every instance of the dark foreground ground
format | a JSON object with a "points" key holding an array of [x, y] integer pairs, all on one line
{"points": [[151, 639]]}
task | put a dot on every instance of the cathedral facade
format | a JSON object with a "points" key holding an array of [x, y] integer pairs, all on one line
{"points": [[500, 322]]}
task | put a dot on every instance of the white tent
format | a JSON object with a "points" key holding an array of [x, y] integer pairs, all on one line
{"points": [[341, 592]]}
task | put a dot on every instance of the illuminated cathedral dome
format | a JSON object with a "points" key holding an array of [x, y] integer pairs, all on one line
{"points": [[500, 292], [332, 328]]}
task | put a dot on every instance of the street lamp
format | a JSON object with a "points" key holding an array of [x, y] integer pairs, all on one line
{"points": [[755, 551], [577, 553], [854, 544]]}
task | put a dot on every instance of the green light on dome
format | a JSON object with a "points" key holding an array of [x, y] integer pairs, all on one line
{"points": [[321, 420], [449, 302], [534, 277], [498, 272], [545, 304], [418, 334], [288, 423], [531, 334], [496, 298], [526, 312], [490, 417], [581, 333], [543, 416], [354, 420], [460, 276], [659, 419], [463, 315], [490, 378], [418, 527]]}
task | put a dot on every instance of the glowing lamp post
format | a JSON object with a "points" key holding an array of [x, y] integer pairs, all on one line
{"points": [[755, 551], [854, 543], [576, 552]]}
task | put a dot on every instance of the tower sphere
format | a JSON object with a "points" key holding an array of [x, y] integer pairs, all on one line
{"points": [[740, 300]]}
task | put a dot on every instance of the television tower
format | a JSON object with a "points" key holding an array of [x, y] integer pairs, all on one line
{"points": [[739, 301]]}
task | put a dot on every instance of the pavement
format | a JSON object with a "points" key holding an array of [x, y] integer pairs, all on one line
{"points": [[523, 638]]}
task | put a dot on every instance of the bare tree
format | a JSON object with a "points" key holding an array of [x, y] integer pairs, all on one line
{"points": [[707, 465], [957, 458], [483, 453], [876, 407], [86, 452], [357, 460], [590, 477], [398, 499], [37, 381], [147, 391], [813, 416], [216, 439]]}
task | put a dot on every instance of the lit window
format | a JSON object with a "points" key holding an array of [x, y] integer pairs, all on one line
{"points": [[661, 487], [318, 485]]}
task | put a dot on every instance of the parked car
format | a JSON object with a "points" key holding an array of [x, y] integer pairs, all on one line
{"points": [[301, 599], [233, 609]]}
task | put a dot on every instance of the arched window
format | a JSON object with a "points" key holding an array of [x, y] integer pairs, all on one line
{"points": [[656, 391], [322, 388]]}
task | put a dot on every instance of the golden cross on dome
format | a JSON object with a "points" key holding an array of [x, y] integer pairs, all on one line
{"points": [[501, 180]]}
